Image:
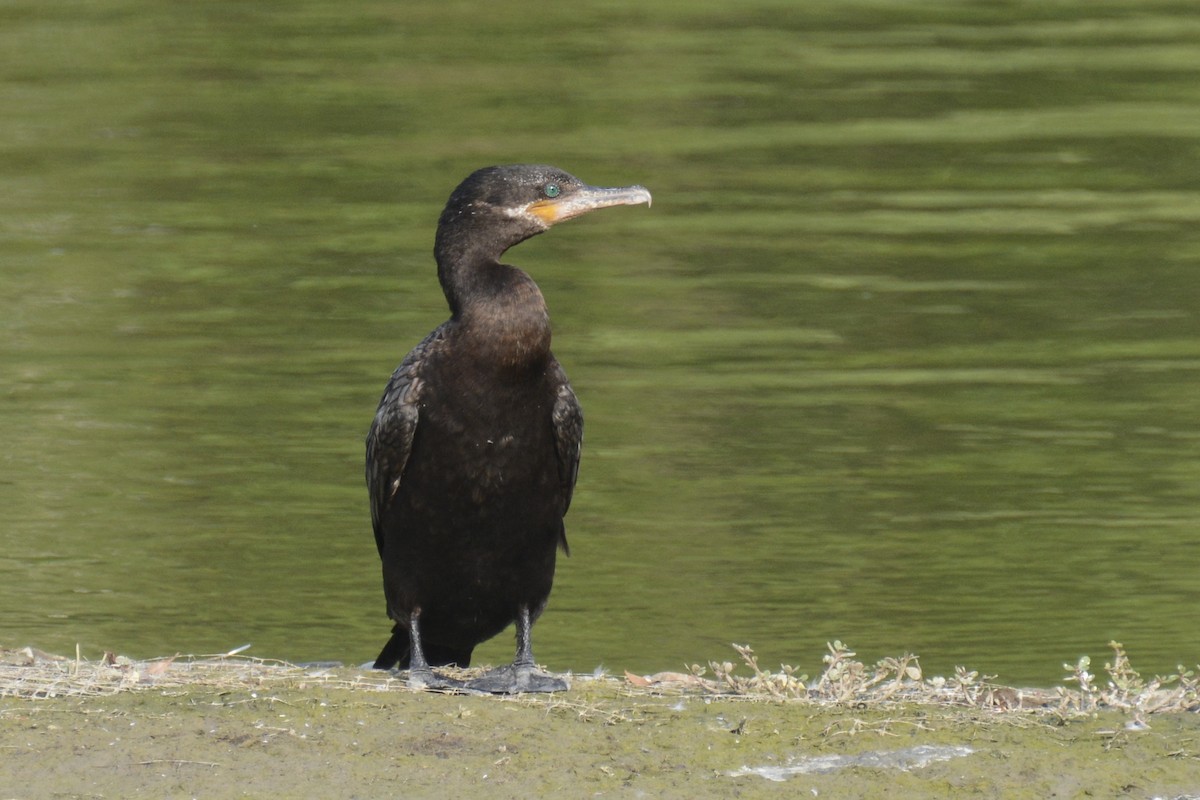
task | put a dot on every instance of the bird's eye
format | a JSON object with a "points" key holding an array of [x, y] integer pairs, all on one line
{"points": [[552, 190]]}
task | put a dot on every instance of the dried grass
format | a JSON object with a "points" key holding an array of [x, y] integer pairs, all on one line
{"points": [[844, 682], [31, 673]]}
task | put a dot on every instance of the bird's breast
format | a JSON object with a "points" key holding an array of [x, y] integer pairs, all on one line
{"points": [[494, 432]]}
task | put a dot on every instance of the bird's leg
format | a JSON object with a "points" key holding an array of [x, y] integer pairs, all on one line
{"points": [[524, 659], [420, 676], [522, 675]]}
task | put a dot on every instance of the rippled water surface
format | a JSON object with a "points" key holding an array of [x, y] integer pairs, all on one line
{"points": [[906, 353]]}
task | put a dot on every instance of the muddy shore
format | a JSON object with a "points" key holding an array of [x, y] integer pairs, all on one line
{"points": [[276, 731]]}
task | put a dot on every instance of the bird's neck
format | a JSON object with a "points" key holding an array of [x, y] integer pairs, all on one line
{"points": [[501, 315]]}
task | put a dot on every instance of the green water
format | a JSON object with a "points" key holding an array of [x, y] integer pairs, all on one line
{"points": [[906, 353]]}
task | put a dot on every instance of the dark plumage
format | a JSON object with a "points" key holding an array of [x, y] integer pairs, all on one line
{"points": [[474, 450]]}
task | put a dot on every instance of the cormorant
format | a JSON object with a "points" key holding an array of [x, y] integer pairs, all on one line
{"points": [[474, 450]]}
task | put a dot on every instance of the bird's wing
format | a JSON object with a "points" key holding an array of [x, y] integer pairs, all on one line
{"points": [[389, 442], [568, 435]]}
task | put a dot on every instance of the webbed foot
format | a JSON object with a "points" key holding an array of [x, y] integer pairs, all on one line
{"points": [[428, 679], [515, 679]]}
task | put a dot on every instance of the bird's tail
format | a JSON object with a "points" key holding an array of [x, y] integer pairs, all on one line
{"points": [[394, 654]]}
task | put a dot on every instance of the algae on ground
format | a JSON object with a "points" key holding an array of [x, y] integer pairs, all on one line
{"points": [[602, 738]]}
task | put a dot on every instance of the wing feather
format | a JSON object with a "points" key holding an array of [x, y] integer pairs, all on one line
{"points": [[389, 441], [568, 436]]}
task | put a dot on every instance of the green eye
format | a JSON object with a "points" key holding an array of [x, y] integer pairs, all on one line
{"points": [[552, 190]]}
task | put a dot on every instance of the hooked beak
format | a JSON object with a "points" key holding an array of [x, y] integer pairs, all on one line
{"points": [[585, 199]]}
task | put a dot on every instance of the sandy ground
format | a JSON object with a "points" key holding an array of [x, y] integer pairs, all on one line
{"points": [[341, 736]]}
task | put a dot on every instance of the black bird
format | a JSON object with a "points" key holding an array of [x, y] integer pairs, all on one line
{"points": [[474, 450]]}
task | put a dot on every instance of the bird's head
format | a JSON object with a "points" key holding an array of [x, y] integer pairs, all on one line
{"points": [[498, 207]]}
